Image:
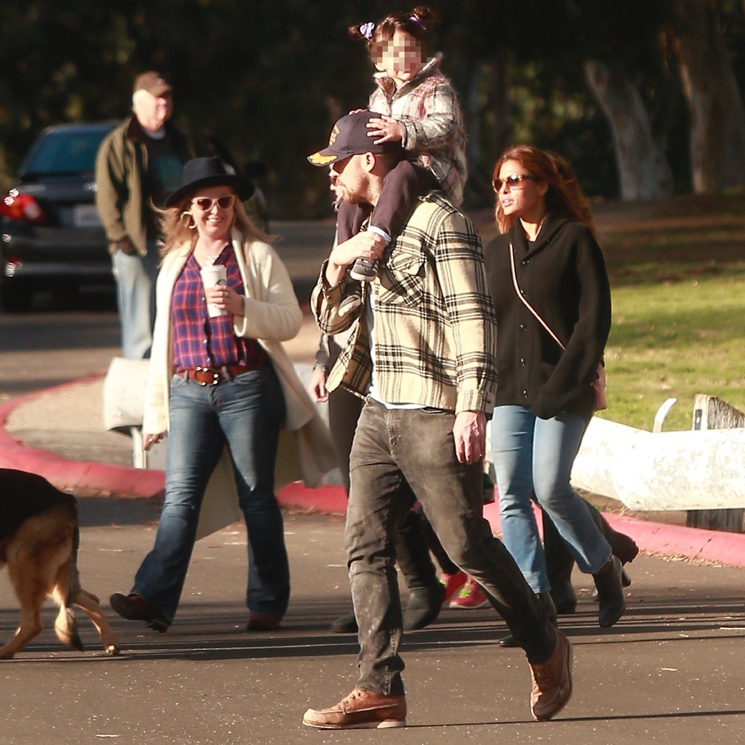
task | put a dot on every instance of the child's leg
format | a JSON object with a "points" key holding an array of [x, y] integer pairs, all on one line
{"points": [[401, 188], [345, 219], [349, 218]]}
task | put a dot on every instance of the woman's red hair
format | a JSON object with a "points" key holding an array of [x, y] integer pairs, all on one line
{"points": [[564, 196]]}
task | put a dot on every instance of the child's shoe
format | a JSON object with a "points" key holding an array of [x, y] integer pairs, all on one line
{"points": [[364, 270], [453, 583], [470, 596]]}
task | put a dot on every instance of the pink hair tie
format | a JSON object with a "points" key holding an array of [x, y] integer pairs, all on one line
{"points": [[416, 20]]}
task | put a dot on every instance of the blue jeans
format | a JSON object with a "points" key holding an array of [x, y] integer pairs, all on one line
{"points": [[135, 296], [533, 458], [394, 449], [246, 413]]}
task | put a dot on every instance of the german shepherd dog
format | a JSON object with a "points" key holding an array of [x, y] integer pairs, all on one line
{"points": [[39, 539]]}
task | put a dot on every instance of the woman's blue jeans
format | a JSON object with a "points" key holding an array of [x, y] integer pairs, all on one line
{"points": [[533, 458], [246, 414]]}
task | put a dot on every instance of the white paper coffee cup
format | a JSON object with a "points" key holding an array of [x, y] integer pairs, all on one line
{"points": [[211, 277]]}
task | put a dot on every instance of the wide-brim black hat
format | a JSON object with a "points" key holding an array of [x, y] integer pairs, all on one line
{"points": [[199, 173]]}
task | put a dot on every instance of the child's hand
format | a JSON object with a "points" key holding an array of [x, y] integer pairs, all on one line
{"points": [[385, 128]]}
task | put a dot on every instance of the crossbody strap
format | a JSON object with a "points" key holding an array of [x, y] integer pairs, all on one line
{"points": [[526, 303]]}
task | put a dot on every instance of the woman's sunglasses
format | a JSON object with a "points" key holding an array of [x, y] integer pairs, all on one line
{"points": [[224, 203], [513, 181]]}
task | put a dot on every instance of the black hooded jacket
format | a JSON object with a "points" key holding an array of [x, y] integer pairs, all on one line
{"points": [[563, 276]]}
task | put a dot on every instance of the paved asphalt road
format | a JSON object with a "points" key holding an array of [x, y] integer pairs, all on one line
{"points": [[670, 672]]}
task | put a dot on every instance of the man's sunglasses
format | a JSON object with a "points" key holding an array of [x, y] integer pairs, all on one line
{"points": [[224, 203], [513, 181]]}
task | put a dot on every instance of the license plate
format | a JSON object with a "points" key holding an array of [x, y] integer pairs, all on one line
{"points": [[86, 216]]}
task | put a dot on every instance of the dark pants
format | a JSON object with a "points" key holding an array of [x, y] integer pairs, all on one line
{"points": [[401, 188], [398, 454], [412, 546]]}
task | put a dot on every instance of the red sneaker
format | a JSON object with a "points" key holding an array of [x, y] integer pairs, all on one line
{"points": [[470, 596], [453, 583]]}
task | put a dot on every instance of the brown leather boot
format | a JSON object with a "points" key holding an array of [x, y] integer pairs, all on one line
{"points": [[552, 681], [360, 709]]}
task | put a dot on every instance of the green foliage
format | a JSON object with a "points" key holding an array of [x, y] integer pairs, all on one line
{"points": [[676, 340], [678, 275], [269, 79]]}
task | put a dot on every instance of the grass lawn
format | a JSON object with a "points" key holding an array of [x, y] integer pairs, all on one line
{"points": [[677, 271]]}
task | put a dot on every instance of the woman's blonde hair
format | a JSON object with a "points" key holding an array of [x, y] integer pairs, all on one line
{"points": [[178, 228], [564, 196]]}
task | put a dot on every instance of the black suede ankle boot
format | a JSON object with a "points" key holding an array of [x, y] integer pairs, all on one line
{"points": [[564, 597], [610, 592], [424, 606]]}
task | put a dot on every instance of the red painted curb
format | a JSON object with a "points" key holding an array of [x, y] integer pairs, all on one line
{"points": [[81, 477], [330, 500], [103, 479], [651, 537]]}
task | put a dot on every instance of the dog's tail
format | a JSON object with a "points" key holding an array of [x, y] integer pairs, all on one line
{"points": [[68, 586]]}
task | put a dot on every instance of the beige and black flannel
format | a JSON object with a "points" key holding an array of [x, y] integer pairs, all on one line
{"points": [[435, 328]]}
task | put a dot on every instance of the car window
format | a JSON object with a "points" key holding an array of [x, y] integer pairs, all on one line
{"points": [[65, 152]]}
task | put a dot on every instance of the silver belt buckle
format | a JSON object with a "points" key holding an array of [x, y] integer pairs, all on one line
{"points": [[215, 376]]}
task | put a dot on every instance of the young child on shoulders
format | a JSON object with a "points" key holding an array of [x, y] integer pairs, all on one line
{"points": [[418, 107]]}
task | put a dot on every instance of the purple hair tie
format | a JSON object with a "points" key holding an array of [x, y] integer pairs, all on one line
{"points": [[367, 30], [416, 20]]}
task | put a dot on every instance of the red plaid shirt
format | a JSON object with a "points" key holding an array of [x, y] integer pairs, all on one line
{"points": [[201, 341]]}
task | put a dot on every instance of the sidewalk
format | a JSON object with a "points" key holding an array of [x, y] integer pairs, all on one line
{"points": [[58, 433]]}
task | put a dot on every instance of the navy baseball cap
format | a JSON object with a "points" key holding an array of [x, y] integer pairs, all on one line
{"points": [[349, 137]]}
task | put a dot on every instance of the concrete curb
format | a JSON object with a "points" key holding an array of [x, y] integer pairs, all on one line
{"points": [[103, 479], [80, 477], [651, 537]]}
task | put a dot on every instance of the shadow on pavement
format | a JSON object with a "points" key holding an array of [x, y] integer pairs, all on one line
{"points": [[216, 631], [106, 511]]}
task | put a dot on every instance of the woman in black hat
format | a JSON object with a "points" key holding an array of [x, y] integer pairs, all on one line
{"points": [[213, 386]]}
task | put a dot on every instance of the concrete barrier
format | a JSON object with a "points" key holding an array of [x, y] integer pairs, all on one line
{"points": [[689, 470]]}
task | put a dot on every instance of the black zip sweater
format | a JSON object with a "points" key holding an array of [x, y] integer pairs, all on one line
{"points": [[563, 276]]}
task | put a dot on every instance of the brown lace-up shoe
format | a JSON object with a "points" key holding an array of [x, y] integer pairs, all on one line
{"points": [[552, 681], [360, 709], [134, 607]]}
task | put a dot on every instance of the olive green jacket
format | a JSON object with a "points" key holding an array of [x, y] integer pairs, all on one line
{"points": [[121, 171]]}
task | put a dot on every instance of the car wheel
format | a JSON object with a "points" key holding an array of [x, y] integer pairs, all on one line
{"points": [[16, 297]]}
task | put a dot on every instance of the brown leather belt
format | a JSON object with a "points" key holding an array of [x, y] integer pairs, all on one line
{"points": [[213, 375]]}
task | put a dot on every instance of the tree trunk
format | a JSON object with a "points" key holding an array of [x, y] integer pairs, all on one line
{"points": [[717, 113], [487, 110], [644, 172]]}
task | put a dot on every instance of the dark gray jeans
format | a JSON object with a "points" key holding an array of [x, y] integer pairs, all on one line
{"points": [[393, 447]]}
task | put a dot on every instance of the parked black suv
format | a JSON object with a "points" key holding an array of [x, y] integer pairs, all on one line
{"points": [[50, 234]]}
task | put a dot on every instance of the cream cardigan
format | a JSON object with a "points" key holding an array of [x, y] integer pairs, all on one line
{"points": [[272, 315]]}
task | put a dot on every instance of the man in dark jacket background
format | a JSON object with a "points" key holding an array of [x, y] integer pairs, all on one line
{"points": [[137, 166]]}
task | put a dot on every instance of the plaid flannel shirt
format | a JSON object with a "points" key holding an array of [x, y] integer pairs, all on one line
{"points": [[427, 109], [435, 327]]}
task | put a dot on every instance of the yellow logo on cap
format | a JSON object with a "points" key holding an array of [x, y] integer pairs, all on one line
{"points": [[334, 133], [321, 160]]}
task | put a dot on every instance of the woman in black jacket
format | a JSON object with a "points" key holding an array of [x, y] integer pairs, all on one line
{"points": [[546, 263]]}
